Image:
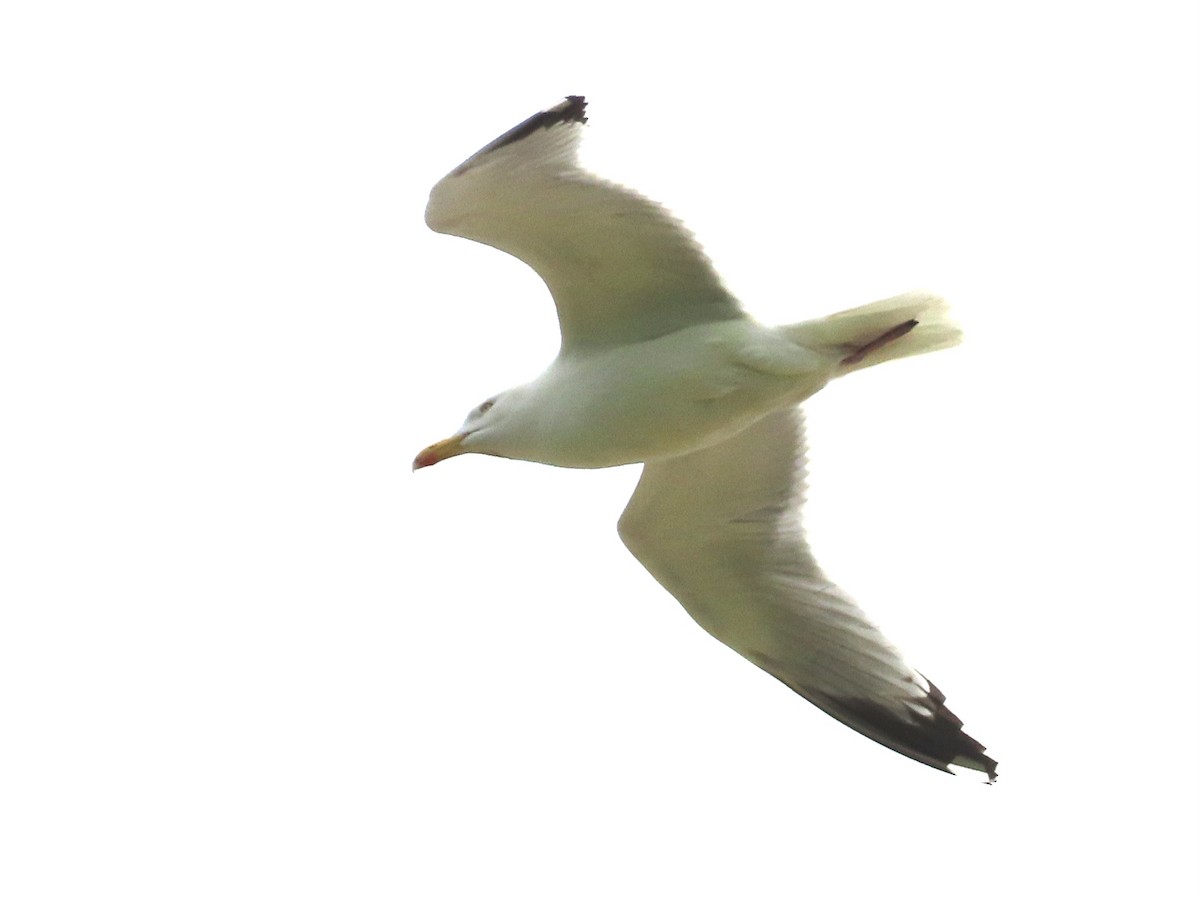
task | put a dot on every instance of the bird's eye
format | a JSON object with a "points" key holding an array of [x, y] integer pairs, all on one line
{"points": [[486, 405]]}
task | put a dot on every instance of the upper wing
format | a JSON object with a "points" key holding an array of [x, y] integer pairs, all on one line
{"points": [[619, 266], [720, 529]]}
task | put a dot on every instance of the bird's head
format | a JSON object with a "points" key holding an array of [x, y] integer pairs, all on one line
{"points": [[483, 431]]}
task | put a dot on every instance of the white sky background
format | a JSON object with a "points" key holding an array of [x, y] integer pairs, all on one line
{"points": [[245, 653]]}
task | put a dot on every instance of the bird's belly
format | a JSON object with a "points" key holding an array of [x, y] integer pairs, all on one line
{"points": [[663, 398], [603, 428]]}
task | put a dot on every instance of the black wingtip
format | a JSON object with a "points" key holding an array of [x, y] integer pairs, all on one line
{"points": [[571, 109], [938, 741]]}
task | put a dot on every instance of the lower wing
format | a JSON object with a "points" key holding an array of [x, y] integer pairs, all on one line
{"points": [[720, 529]]}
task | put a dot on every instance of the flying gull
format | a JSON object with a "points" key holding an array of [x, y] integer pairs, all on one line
{"points": [[660, 365]]}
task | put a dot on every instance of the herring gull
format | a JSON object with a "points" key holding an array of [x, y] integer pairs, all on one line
{"points": [[660, 365]]}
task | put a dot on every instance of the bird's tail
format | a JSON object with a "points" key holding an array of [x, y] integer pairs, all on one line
{"points": [[901, 326]]}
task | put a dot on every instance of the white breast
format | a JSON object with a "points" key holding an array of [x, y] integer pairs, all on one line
{"points": [[658, 399]]}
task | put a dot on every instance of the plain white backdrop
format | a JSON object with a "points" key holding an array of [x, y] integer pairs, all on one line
{"points": [[247, 653]]}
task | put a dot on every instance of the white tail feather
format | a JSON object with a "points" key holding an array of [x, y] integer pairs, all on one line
{"points": [[846, 332]]}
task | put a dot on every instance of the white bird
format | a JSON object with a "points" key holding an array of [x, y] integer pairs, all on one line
{"points": [[659, 365]]}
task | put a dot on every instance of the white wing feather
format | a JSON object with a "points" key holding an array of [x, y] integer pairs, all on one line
{"points": [[619, 266], [720, 529]]}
